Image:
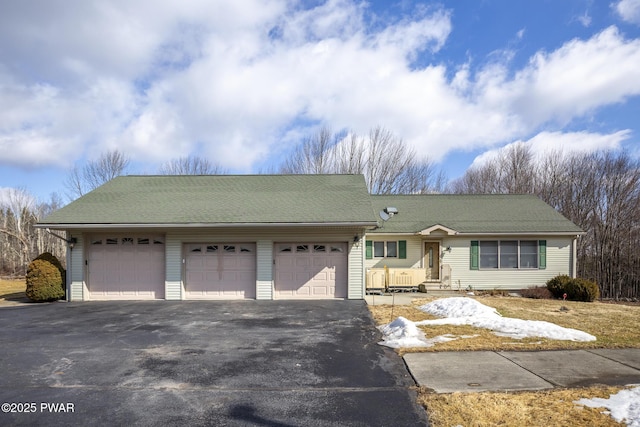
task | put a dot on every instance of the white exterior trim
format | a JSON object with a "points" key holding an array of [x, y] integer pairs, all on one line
{"points": [[448, 231]]}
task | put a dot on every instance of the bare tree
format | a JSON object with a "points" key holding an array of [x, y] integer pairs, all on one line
{"points": [[20, 241], [191, 165], [95, 173], [17, 206], [512, 171], [388, 164], [314, 156]]}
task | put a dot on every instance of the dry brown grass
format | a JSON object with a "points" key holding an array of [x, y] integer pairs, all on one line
{"points": [[12, 289], [543, 408], [614, 325]]}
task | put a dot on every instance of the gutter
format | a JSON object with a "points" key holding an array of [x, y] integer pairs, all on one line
{"points": [[526, 233], [205, 225]]}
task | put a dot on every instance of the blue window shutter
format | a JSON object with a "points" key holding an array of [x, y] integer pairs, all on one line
{"points": [[542, 254], [402, 249], [368, 249], [474, 264]]}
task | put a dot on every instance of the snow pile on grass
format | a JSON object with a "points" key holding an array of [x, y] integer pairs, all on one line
{"points": [[403, 332], [624, 406], [458, 307], [467, 311]]}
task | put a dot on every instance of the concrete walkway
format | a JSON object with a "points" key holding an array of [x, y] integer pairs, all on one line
{"points": [[475, 371]]}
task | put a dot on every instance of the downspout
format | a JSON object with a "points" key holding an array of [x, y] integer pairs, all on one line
{"points": [[574, 257]]}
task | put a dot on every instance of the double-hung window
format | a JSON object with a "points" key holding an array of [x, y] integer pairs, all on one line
{"points": [[385, 249]]}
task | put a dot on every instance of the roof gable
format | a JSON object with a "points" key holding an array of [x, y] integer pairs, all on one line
{"points": [[222, 199], [438, 229]]}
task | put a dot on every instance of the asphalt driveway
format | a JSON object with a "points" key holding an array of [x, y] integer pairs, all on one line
{"points": [[255, 363]]}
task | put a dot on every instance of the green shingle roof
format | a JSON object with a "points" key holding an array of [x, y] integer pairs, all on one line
{"points": [[504, 213], [224, 199]]}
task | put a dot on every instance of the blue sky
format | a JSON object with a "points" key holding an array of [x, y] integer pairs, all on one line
{"points": [[241, 83]]}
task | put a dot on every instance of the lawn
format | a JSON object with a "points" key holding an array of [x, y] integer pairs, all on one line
{"points": [[12, 289], [543, 408], [614, 325]]}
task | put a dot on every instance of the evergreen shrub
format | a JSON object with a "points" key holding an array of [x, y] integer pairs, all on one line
{"points": [[45, 280], [575, 289]]}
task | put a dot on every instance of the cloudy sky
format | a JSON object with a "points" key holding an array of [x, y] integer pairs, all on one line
{"points": [[242, 82]]}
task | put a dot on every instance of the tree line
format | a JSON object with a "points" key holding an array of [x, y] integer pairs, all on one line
{"points": [[597, 191], [20, 241]]}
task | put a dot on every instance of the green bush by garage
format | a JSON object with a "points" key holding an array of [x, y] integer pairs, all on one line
{"points": [[45, 279]]}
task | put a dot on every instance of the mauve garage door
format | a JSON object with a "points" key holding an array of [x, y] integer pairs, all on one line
{"points": [[220, 270], [311, 270], [126, 267]]}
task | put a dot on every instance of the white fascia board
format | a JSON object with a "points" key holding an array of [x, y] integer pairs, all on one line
{"points": [[204, 225], [525, 233]]}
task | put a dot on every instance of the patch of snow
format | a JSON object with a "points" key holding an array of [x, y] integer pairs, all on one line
{"points": [[467, 311], [403, 332], [458, 307], [623, 406]]}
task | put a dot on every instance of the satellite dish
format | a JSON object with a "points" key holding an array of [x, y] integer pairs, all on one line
{"points": [[385, 216]]}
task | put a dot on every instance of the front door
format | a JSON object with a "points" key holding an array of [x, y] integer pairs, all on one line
{"points": [[432, 260]]}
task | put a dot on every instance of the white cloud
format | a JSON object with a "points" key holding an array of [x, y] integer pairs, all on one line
{"points": [[577, 78], [16, 199], [565, 143], [233, 80], [629, 10]]}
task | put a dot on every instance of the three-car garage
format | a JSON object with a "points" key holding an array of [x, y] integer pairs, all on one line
{"points": [[124, 266]]}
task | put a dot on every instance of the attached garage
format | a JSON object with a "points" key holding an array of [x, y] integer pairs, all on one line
{"points": [[126, 267], [311, 270], [217, 237], [220, 271]]}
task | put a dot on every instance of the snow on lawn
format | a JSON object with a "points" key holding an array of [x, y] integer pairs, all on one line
{"points": [[623, 406], [405, 333], [467, 311]]}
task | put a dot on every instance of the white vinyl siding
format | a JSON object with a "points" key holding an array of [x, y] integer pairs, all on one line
{"points": [[558, 250], [174, 269], [264, 272], [76, 269], [355, 284]]}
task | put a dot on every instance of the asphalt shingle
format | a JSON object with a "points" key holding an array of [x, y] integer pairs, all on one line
{"points": [[478, 213], [223, 199]]}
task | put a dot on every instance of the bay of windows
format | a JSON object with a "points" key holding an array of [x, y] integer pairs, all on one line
{"points": [[508, 254]]}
